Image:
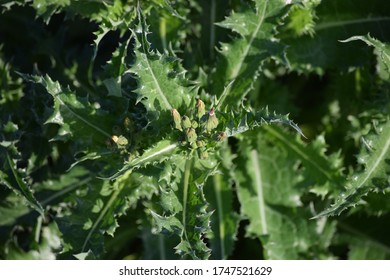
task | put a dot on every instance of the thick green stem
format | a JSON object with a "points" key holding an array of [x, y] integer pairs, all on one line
{"points": [[186, 182]]}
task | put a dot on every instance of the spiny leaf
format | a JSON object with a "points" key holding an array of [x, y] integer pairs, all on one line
{"points": [[10, 176], [268, 185], [74, 113], [219, 193], [242, 59], [86, 125], [159, 152], [115, 69], [337, 20], [375, 157], [237, 123], [382, 51], [186, 214], [98, 206], [159, 85], [319, 168]]}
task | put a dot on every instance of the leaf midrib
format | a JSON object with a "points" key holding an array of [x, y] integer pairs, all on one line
{"points": [[217, 190], [301, 153], [259, 190], [237, 69], [377, 161], [63, 103], [333, 24]]}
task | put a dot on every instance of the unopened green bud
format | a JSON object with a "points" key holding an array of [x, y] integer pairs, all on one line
{"points": [[193, 145], [200, 143], [212, 121], [200, 109], [204, 155], [194, 124], [191, 135], [176, 119], [122, 141], [185, 122]]}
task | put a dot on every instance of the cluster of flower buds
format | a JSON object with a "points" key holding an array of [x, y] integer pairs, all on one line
{"points": [[198, 128]]}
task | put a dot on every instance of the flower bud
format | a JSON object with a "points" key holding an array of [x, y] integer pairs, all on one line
{"points": [[194, 124], [200, 143], [185, 122], [204, 155], [212, 121], [191, 135], [176, 119], [200, 109], [122, 141]]}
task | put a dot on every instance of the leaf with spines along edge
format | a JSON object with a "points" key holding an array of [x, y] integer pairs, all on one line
{"points": [[11, 176], [241, 60], [375, 156], [269, 190], [15, 179], [234, 123], [160, 78], [88, 125], [382, 52], [323, 172], [157, 153], [334, 21], [98, 204], [115, 69], [219, 193], [184, 204]]}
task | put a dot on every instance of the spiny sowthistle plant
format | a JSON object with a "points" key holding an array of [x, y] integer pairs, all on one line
{"points": [[171, 141]]}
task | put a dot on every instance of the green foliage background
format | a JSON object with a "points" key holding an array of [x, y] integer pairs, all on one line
{"points": [[93, 165]]}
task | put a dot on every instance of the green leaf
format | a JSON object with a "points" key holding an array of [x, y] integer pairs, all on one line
{"points": [[335, 21], [219, 193], [319, 169], [159, 152], [11, 209], [44, 247], [241, 60], [86, 125], [99, 204], [46, 8], [374, 156], [237, 123], [382, 52], [159, 76], [70, 111], [269, 190], [186, 215], [115, 69], [11, 177], [157, 246]]}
